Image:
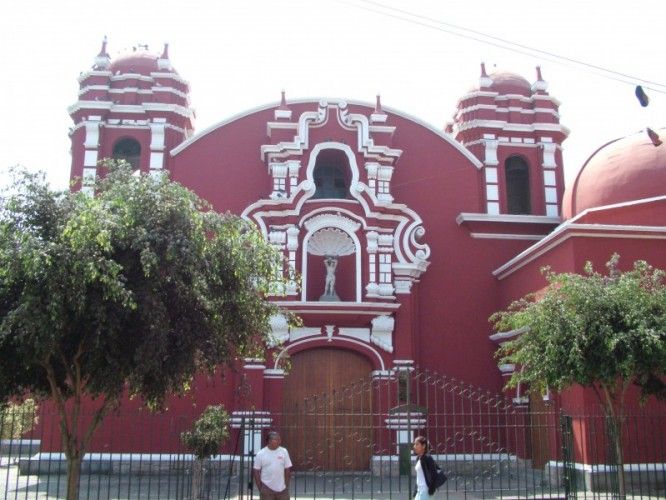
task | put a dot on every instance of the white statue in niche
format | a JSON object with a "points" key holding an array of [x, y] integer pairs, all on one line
{"points": [[331, 243], [331, 263]]}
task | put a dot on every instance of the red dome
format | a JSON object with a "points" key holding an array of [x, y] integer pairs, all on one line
{"points": [[627, 169], [136, 62], [505, 82]]}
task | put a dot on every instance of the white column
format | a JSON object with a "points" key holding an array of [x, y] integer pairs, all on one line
{"points": [[549, 177], [90, 154], [292, 247], [157, 142], [492, 186], [372, 289]]}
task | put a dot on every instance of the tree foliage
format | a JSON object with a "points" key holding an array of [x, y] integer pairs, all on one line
{"points": [[598, 331], [208, 432], [134, 289], [603, 331], [17, 418]]}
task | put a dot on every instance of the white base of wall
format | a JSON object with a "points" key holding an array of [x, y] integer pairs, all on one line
{"points": [[121, 463], [599, 477]]}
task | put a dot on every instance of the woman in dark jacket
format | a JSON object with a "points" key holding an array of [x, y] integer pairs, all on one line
{"points": [[425, 470]]}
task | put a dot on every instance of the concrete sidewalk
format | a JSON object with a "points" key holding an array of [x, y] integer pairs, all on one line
{"points": [[322, 486], [113, 486]]}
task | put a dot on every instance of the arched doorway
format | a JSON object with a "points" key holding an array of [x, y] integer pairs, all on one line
{"points": [[327, 410]]}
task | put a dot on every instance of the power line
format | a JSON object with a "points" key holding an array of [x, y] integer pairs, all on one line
{"points": [[503, 43]]}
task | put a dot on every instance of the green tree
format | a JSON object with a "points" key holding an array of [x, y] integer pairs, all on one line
{"points": [[205, 439], [17, 418], [134, 290], [604, 332]]}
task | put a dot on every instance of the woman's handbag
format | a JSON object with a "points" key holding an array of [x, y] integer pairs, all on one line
{"points": [[440, 477]]}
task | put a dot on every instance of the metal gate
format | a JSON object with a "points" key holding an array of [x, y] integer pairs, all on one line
{"points": [[355, 441]]}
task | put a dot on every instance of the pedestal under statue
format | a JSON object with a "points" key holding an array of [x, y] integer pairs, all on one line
{"points": [[331, 263]]}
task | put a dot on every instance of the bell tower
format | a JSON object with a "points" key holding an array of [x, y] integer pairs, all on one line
{"points": [[134, 108], [514, 128]]}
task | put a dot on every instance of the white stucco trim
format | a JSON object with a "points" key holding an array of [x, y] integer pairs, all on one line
{"points": [[130, 76], [130, 108], [500, 109], [440, 133], [514, 127], [170, 75], [333, 308], [172, 108], [88, 105], [339, 222], [409, 224], [171, 90], [133, 90], [516, 219], [504, 336], [89, 88], [362, 334], [336, 340], [506, 141], [569, 230], [505, 97], [549, 98], [501, 236], [93, 72], [274, 373], [655, 468]]}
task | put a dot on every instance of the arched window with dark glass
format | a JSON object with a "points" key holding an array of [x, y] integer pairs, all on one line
{"points": [[128, 150], [329, 175], [517, 177]]}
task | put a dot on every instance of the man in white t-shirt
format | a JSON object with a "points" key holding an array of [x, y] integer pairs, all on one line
{"points": [[272, 470]]}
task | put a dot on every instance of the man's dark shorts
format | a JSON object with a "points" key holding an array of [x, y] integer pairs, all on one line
{"points": [[269, 494]]}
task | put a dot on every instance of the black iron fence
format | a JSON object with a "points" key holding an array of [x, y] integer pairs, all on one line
{"points": [[354, 442]]}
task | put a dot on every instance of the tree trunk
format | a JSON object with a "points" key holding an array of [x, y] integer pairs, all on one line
{"points": [[197, 478], [615, 431], [613, 404], [73, 475]]}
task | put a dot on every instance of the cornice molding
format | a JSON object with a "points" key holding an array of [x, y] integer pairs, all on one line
{"points": [[130, 108], [514, 127], [571, 229], [88, 74], [514, 219]]}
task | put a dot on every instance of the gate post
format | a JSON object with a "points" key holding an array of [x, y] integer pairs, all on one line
{"points": [[405, 452], [241, 463], [569, 470]]}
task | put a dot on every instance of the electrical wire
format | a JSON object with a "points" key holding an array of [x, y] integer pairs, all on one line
{"points": [[502, 43]]}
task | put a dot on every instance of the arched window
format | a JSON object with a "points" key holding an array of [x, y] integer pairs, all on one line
{"points": [[517, 186], [329, 175], [128, 150]]}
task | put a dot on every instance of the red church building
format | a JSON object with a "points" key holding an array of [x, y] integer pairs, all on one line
{"points": [[406, 237]]}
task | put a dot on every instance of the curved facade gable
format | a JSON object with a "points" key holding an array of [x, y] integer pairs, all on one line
{"points": [[445, 136]]}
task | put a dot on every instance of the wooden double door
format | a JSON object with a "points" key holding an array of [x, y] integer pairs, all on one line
{"points": [[327, 410]]}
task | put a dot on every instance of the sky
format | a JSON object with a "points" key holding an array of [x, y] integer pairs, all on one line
{"points": [[240, 55]]}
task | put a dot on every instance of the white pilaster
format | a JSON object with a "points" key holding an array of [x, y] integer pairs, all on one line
{"points": [[491, 151], [492, 191], [157, 141], [549, 177], [548, 147]]}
